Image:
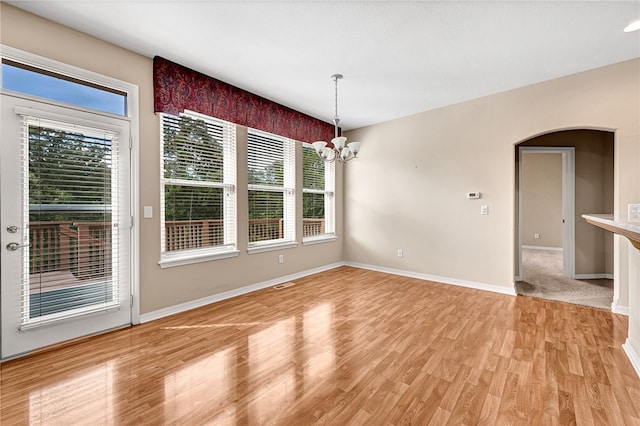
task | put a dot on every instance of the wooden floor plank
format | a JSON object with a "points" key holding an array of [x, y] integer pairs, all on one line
{"points": [[346, 346]]}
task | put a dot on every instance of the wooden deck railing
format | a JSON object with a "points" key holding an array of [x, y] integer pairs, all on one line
{"points": [[84, 248], [312, 227], [184, 234]]}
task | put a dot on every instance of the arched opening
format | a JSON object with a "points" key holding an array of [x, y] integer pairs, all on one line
{"points": [[558, 255]]}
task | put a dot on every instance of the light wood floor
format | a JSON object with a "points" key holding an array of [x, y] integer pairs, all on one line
{"points": [[346, 346]]}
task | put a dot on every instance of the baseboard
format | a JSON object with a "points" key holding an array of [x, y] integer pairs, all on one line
{"points": [[619, 309], [542, 248], [443, 280], [632, 355], [182, 307], [593, 276]]}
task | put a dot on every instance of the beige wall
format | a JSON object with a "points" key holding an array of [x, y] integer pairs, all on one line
{"points": [[432, 159], [163, 288], [593, 193], [541, 192]]}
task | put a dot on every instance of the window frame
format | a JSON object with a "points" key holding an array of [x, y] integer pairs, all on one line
{"points": [[287, 189], [329, 202], [229, 158], [50, 67]]}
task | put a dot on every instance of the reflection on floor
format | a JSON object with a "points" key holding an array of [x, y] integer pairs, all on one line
{"points": [[542, 277]]}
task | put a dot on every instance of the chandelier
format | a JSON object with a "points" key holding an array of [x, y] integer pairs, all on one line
{"points": [[338, 148]]}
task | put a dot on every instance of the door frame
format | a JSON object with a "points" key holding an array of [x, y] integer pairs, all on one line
{"points": [[132, 115], [568, 206]]}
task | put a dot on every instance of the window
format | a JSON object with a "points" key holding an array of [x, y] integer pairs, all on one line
{"points": [[50, 85], [72, 181], [271, 168], [318, 202], [197, 189]]}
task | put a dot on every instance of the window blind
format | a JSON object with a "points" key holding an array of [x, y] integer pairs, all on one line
{"points": [[271, 169], [198, 184], [71, 193], [317, 194]]}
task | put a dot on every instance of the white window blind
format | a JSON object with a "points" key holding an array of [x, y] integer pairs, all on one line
{"points": [[71, 190], [317, 194], [198, 201], [271, 168]]}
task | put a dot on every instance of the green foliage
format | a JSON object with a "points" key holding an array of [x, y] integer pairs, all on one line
{"points": [[272, 174], [313, 206], [192, 203], [193, 151], [313, 169], [266, 205], [312, 178], [67, 168]]}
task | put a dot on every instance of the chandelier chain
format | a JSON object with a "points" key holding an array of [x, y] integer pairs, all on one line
{"points": [[336, 97]]}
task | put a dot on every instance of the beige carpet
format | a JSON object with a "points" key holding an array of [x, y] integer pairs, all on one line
{"points": [[542, 277]]}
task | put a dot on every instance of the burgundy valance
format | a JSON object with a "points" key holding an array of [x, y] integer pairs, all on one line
{"points": [[176, 88]]}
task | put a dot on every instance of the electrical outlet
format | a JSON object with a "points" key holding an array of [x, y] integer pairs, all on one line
{"points": [[281, 258], [484, 209], [400, 253], [536, 236]]}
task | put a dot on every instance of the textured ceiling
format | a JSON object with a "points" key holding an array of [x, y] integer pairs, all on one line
{"points": [[398, 57]]}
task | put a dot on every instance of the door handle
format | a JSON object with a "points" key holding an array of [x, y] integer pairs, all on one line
{"points": [[16, 246]]}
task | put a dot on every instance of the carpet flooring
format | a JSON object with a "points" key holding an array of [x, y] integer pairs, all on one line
{"points": [[542, 277]]}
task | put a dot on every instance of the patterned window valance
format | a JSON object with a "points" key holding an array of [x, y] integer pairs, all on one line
{"points": [[176, 88]]}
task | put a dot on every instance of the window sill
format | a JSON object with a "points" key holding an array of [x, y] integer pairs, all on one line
{"points": [[260, 248], [171, 260], [319, 239]]}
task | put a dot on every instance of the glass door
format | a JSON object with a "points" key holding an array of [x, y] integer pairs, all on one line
{"points": [[66, 224]]}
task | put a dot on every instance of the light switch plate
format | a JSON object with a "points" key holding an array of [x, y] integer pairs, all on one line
{"points": [[634, 212], [148, 212]]}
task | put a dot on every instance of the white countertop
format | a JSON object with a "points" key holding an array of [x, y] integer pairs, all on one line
{"points": [[631, 230], [608, 219]]}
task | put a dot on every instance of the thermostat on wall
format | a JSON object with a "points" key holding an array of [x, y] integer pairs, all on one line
{"points": [[473, 195]]}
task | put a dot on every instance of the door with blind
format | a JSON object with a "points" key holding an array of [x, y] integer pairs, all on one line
{"points": [[65, 224]]}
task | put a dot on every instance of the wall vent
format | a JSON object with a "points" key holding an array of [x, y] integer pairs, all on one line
{"points": [[284, 285]]}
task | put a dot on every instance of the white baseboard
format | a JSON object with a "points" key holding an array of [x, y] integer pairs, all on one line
{"points": [[594, 276], [443, 280], [632, 355], [619, 309], [175, 309], [542, 248]]}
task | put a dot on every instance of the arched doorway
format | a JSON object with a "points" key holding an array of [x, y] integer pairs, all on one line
{"points": [[548, 266]]}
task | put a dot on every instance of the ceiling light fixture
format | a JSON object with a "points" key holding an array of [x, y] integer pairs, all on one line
{"points": [[634, 26], [338, 148]]}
